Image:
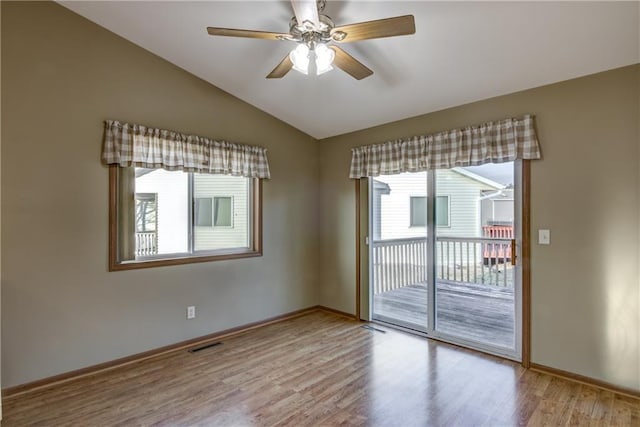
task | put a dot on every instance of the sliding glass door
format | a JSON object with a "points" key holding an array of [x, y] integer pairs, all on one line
{"points": [[443, 255], [398, 206]]}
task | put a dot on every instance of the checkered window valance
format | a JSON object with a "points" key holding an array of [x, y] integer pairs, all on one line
{"points": [[136, 145], [493, 142]]}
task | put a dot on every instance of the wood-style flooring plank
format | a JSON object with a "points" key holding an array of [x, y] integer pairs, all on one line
{"points": [[321, 369]]}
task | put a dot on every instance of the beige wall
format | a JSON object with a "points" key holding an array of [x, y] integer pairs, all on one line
{"points": [[0, 192], [585, 284], [61, 310], [638, 169]]}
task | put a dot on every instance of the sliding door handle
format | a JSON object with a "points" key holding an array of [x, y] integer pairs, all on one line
{"points": [[513, 251]]}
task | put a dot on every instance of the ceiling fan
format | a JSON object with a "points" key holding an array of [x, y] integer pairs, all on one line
{"points": [[313, 31]]}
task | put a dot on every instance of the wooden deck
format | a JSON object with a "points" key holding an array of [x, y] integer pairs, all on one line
{"points": [[475, 312]]}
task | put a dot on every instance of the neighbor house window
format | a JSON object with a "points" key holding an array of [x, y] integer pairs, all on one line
{"points": [[146, 237], [442, 211], [179, 217], [146, 212], [418, 211], [216, 211], [223, 211], [203, 212]]}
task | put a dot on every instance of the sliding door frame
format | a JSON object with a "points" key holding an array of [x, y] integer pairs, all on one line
{"points": [[525, 258], [358, 249], [362, 257]]}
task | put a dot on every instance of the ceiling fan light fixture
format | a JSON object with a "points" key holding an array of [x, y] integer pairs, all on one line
{"points": [[324, 58], [312, 30], [300, 58]]}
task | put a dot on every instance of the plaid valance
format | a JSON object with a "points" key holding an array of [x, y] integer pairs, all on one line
{"points": [[493, 142], [136, 145]]}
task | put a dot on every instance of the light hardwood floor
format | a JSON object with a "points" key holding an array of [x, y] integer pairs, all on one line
{"points": [[321, 369]]}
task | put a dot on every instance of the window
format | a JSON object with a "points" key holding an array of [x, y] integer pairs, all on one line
{"points": [[442, 211], [146, 212], [217, 211], [146, 223], [223, 211], [203, 212], [160, 217], [418, 211]]}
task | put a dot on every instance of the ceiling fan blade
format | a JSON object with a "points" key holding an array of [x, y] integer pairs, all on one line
{"points": [[349, 64], [306, 10], [389, 27], [231, 32], [281, 69]]}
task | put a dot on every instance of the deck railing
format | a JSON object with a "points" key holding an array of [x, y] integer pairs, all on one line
{"points": [[146, 243], [398, 263], [402, 262]]}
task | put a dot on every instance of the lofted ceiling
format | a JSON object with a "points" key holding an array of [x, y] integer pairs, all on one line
{"points": [[461, 52]]}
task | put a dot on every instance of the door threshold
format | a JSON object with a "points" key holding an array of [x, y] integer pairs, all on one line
{"points": [[457, 343]]}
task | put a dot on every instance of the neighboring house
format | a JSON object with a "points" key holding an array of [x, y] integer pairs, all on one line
{"points": [[379, 189], [496, 207], [219, 212], [468, 206], [465, 202]]}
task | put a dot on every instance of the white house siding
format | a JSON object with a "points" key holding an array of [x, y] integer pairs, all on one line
{"points": [[394, 214], [379, 189], [172, 189], [211, 237], [464, 204], [498, 208], [394, 222], [464, 198]]}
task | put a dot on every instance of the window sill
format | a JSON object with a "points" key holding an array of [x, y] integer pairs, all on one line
{"points": [[178, 260]]}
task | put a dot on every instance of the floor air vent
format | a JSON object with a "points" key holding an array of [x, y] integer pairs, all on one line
{"points": [[204, 347], [371, 328]]}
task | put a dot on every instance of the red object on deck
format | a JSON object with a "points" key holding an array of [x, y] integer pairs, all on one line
{"points": [[493, 252]]}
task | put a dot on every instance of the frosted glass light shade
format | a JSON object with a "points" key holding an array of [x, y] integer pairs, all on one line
{"points": [[300, 58], [324, 58]]}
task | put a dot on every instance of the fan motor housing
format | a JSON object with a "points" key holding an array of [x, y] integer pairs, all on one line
{"points": [[309, 33]]}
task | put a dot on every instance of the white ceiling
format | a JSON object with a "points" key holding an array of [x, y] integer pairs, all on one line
{"points": [[461, 52]]}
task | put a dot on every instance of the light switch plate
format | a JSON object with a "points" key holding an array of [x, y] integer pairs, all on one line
{"points": [[191, 312], [544, 237]]}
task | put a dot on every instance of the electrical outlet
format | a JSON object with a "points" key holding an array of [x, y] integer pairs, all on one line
{"points": [[191, 312]]}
